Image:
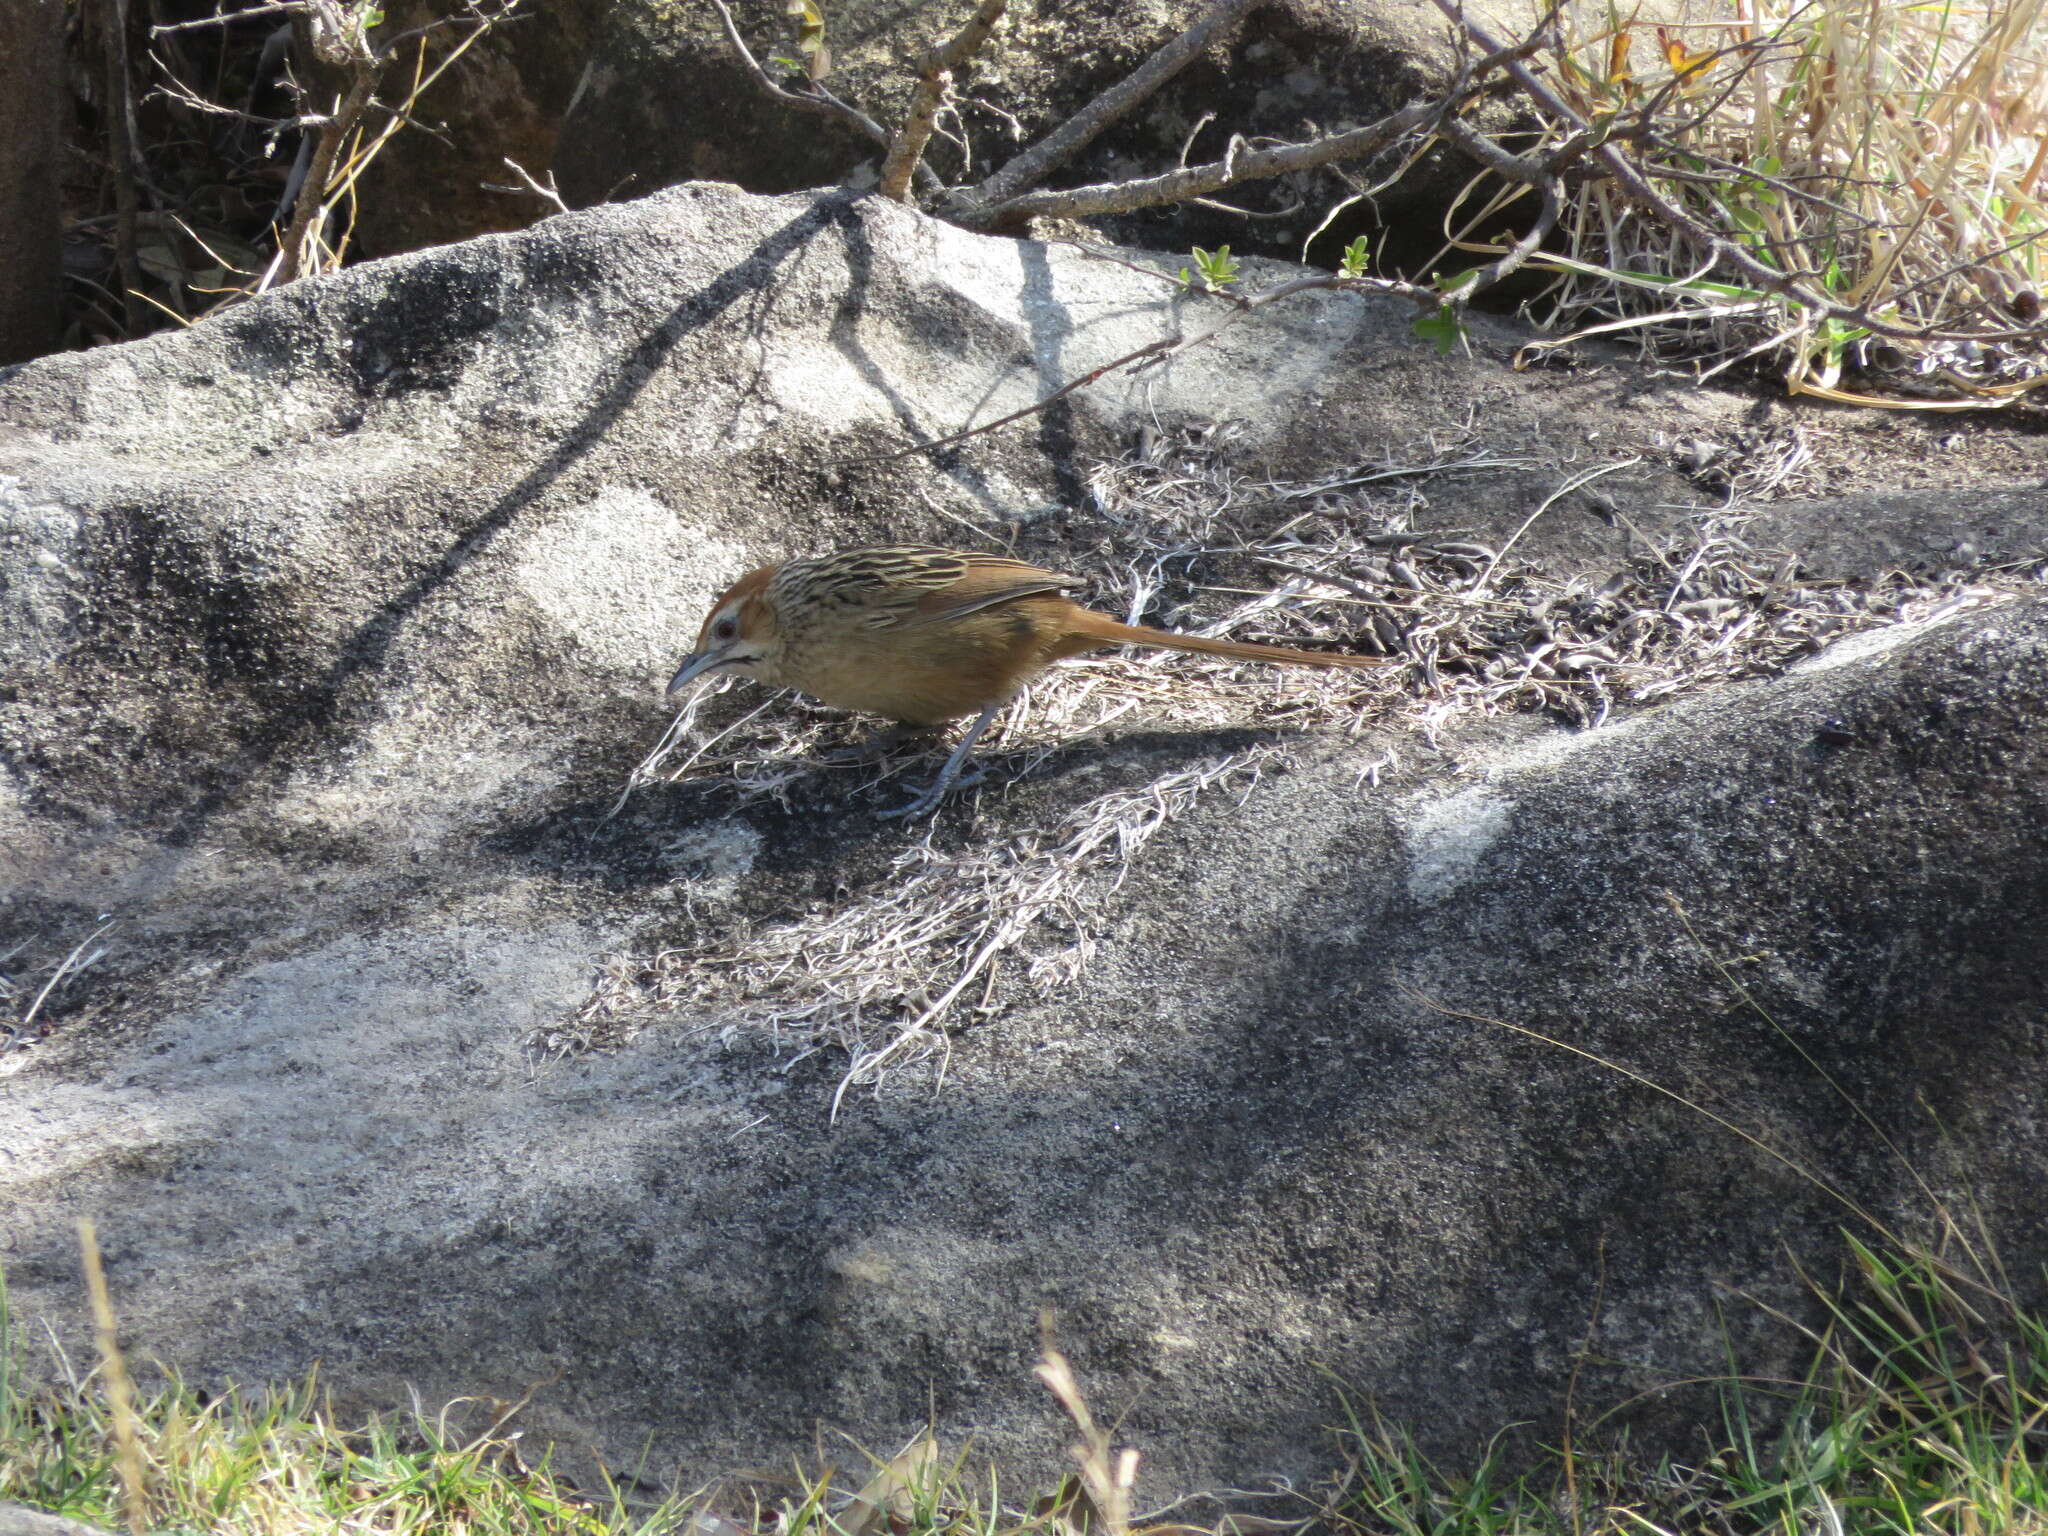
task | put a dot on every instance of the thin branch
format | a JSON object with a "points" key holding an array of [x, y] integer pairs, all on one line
{"points": [[276, 8], [1240, 163], [1251, 213], [977, 206], [817, 100], [1727, 173], [820, 105], [1512, 259], [312, 200], [1107, 253], [1151, 349], [401, 115], [1415, 293], [1200, 180], [190, 99], [481, 21], [545, 190], [1372, 595], [1529, 170], [906, 150], [120, 106], [71, 966], [1156, 352], [1968, 264], [1574, 483], [1634, 1076]]}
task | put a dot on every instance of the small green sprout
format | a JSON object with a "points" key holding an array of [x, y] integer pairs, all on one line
{"points": [[1443, 327], [1214, 270]]}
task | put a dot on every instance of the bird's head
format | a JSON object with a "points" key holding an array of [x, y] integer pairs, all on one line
{"points": [[739, 635]]}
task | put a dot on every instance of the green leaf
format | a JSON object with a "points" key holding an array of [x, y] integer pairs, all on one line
{"points": [[1216, 267], [810, 37], [1444, 328], [1353, 263], [1459, 285]]}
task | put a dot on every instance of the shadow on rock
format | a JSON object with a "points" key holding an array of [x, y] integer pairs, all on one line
{"points": [[829, 834]]}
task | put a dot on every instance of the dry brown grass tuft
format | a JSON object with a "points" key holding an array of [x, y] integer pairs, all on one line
{"points": [[1888, 158]]}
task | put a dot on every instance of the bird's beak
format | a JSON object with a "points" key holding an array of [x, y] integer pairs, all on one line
{"points": [[694, 666]]}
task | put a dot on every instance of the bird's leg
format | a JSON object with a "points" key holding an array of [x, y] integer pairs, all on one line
{"points": [[877, 745], [949, 776]]}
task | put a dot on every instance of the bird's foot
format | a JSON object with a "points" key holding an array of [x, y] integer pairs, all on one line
{"points": [[950, 776], [930, 799]]}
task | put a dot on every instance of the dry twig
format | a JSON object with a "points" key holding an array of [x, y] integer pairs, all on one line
{"points": [[814, 98], [906, 149], [994, 197], [120, 111]]}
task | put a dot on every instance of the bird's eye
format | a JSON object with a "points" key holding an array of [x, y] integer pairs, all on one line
{"points": [[724, 629]]}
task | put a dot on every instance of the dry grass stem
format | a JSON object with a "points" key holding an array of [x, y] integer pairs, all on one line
{"points": [[114, 1373], [1107, 1474], [85, 953]]}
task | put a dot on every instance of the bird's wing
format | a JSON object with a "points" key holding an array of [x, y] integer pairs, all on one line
{"points": [[985, 582], [900, 585]]}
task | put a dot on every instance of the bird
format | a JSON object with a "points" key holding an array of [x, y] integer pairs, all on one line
{"points": [[922, 635]]}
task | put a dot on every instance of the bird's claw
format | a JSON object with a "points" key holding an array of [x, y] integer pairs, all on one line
{"points": [[933, 797]]}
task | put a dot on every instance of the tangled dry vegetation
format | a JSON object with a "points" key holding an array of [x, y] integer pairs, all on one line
{"points": [[1885, 161], [1851, 193], [1846, 193], [1187, 536], [219, 145]]}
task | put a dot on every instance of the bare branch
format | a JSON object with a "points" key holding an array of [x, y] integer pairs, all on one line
{"points": [[975, 207], [1241, 163], [312, 200], [480, 20], [1157, 348], [817, 100], [120, 112], [1156, 352], [1392, 287], [183, 94], [1517, 255], [1200, 180], [1530, 170], [907, 149], [544, 190], [1251, 213], [1723, 172], [276, 8]]}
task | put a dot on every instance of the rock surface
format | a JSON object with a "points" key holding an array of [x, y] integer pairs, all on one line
{"points": [[330, 629], [20, 1520]]}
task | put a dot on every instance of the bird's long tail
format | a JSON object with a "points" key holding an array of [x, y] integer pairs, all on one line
{"points": [[1100, 629]]}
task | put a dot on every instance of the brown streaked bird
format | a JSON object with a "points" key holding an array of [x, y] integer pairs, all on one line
{"points": [[923, 636]]}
